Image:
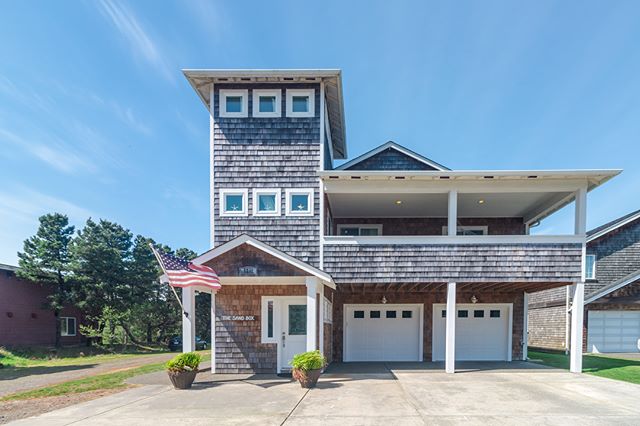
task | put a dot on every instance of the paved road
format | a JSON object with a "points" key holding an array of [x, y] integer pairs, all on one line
{"points": [[387, 394], [45, 376]]}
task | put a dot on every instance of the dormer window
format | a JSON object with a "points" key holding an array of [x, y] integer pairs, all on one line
{"points": [[234, 103], [233, 202], [266, 103], [299, 202], [300, 103]]}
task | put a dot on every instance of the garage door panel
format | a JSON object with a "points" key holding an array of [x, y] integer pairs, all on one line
{"points": [[613, 331]]}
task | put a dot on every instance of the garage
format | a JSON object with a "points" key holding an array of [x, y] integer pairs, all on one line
{"points": [[383, 332], [613, 331], [483, 332]]}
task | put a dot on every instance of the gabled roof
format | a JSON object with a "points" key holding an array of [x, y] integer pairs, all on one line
{"points": [[612, 226], [430, 164], [201, 80], [5, 267], [629, 279], [247, 239]]}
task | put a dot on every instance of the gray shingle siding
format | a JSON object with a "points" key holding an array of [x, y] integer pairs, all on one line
{"points": [[268, 153], [461, 263], [390, 159]]}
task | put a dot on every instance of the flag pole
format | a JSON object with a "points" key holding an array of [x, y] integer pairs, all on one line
{"points": [[155, 253]]}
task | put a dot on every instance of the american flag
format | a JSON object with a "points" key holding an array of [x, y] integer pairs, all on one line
{"points": [[182, 273]]}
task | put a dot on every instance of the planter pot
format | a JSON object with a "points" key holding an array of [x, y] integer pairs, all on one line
{"points": [[182, 379], [307, 378]]}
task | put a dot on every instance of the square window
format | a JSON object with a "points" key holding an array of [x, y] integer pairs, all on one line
{"points": [[266, 202], [233, 202], [300, 103], [299, 202], [463, 313], [391, 314], [67, 326], [494, 313], [352, 232], [407, 314], [266, 103], [374, 314], [233, 103], [358, 314], [478, 313]]}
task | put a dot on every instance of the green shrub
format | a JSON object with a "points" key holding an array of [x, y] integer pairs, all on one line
{"points": [[306, 361], [184, 362]]}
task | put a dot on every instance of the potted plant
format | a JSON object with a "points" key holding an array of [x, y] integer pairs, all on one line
{"points": [[182, 369], [307, 367]]}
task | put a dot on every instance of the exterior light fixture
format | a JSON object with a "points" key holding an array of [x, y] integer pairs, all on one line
{"points": [[481, 201], [474, 299], [398, 202], [384, 300]]}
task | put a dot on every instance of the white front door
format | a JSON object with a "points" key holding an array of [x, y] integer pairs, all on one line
{"points": [[482, 332], [613, 331], [293, 333]]}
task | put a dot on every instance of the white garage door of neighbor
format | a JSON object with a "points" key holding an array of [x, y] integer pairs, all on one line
{"points": [[613, 331], [383, 332], [482, 332]]}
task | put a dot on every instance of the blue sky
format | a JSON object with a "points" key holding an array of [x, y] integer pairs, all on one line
{"points": [[97, 120]]}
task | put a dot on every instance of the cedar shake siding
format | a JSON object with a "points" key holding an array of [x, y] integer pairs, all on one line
{"points": [[268, 153], [433, 226], [389, 263], [390, 159]]}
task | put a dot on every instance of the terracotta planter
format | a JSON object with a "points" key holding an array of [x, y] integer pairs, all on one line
{"points": [[182, 379], [307, 379]]}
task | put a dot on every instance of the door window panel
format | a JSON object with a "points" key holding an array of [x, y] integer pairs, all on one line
{"points": [[297, 320]]}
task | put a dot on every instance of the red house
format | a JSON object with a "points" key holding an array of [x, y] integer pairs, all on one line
{"points": [[24, 317]]}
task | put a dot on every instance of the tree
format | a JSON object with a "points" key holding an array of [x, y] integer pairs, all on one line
{"points": [[45, 259]]}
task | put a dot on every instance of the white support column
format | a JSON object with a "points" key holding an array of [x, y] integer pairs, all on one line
{"points": [[450, 345], [581, 211], [525, 327], [577, 312], [189, 319], [213, 332], [312, 329], [321, 318], [452, 217]]}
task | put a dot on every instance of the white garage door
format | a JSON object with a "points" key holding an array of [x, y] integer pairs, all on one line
{"points": [[482, 332], [383, 332], [613, 331]]}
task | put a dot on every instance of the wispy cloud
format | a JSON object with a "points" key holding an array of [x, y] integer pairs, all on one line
{"points": [[210, 17], [183, 197], [140, 41]]}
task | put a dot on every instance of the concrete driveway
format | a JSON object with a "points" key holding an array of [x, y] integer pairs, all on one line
{"points": [[371, 394]]}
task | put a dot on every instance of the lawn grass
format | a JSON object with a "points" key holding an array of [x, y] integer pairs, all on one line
{"points": [[626, 370], [105, 381]]}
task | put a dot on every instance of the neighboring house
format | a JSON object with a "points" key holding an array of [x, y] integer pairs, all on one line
{"points": [[612, 294], [388, 257], [24, 318]]}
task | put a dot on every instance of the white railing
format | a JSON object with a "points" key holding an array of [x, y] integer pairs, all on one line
{"points": [[460, 239]]}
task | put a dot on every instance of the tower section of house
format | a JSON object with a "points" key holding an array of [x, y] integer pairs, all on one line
{"points": [[612, 294]]}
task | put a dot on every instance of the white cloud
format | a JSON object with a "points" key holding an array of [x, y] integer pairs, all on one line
{"points": [[128, 25], [209, 15]]}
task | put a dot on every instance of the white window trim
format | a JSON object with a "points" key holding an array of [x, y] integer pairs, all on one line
{"points": [[264, 320], [484, 229], [75, 323], [223, 103], [360, 226], [299, 191], [301, 92], [267, 191], [590, 277], [327, 306], [234, 191], [256, 93]]}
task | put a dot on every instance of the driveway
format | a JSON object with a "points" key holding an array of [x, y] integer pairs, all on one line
{"points": [[371, 394]]}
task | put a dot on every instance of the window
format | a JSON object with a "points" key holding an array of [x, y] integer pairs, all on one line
{"points": [[590, 267], [266, 202], [300, 103], [494, 313], [360, 230], [233, 202], [468, 230], [358, 314], [407, 314], [328, 311], [67, 326], [297, 320], [444, 313], [391, 314], [299, 202], [374, 314], [463, 313], [266, 103], [268, 320], [233, 103], [478, 313]]}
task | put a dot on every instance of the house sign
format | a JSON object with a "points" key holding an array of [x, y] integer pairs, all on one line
{"points": [[238, 318]]}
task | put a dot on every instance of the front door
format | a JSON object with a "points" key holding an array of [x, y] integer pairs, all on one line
{"points": [[294, 330]]}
